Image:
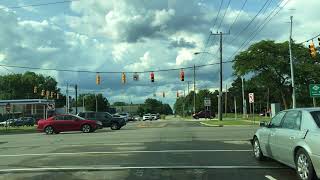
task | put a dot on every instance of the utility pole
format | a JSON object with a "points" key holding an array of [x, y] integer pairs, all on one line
{"points": [[220, 88], [83, 103], [194, 88], [291, 67], [226, 102], [96, 103], [184, 99], [76, 90], [244, 103], [235, 108], [67, 99]]}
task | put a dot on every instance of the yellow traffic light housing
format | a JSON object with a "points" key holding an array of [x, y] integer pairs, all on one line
{"points": [[98, 79], [123, 78], [35, 89], [42, 92], [312, 50]]}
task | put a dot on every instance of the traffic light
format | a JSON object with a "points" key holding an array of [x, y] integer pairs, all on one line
{"points": [[177, 94], [152, 76], [135, 76], [312, 50], [42, 92], [123, 78], [319, 41], [98, 79], [35, 89], [182, 75], [163, 94]]}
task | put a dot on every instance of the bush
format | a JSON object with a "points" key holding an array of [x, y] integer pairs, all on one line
{"points": [[162, 116]]}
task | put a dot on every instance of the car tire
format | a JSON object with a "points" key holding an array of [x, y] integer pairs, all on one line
{"points": [[257, 153], [86, 128], [49, 130], [115, 126], [304, 167]]}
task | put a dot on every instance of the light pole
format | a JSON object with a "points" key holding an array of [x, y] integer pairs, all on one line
{"points": [[220, 86], [291, 67]]}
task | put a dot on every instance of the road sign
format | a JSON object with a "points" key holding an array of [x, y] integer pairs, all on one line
{"points": [[314, 90], [251, 98], [8, 107], [50, 107], [207, 102]]}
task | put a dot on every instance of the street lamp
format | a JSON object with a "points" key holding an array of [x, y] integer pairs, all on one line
{"points": [[220, 88]]}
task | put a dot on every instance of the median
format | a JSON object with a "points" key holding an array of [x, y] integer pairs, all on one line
{"points": [[217, 123]]}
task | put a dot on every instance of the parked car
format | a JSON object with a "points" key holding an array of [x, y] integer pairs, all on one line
{"points": [[203, 114], [62, 123], [155, 116], [24, 121], [7, 123], [292, 137], [147, 117], [127, 116], [108, 120]]}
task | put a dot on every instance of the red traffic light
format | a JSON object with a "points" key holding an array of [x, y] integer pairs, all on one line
{"points": [[182, 75], [152, 76]]}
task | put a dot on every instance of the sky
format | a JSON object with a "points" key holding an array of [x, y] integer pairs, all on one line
{"points": [[142, 35]]}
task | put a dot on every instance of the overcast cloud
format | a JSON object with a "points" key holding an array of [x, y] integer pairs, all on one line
{"points": [[138, 35]]}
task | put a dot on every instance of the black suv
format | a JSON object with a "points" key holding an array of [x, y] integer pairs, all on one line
{"points": [[106, 118]]}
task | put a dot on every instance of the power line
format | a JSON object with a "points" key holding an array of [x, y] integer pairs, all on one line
{"points": [[245, 2], [251, 21], [41, 4], [214, 24], [224, 14], [309, 39], [109, 72], [260, 28]]}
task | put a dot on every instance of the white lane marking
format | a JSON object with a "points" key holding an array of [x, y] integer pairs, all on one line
{"points": [[121, 152], [106, 168], [270, 177], [74, 145]]}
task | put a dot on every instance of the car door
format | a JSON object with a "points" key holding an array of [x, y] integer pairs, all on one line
{"points": [[72, 123], [108, 120], [288, 136], [269, 137], [59, 123]]}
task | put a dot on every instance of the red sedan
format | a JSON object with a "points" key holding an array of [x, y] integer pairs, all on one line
{"points": [[62, 123]]}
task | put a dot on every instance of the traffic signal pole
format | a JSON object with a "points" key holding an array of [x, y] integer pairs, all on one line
{"points": [[291, 67]]}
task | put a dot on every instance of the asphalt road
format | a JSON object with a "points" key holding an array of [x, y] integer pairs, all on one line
{"points": [[141, 150]]}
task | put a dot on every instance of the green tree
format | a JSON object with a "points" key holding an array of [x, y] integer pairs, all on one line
{"points": [[166, 109], [90, 102], [267, 63], [119, 104]]}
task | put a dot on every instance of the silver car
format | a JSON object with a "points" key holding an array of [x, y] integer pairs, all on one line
{"points": [[292, 138]]}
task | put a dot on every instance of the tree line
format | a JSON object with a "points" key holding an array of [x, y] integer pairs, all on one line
{"points": [[265, 67]]}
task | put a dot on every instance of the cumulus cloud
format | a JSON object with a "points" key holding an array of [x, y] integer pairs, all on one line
{"points": [[136, 35]]}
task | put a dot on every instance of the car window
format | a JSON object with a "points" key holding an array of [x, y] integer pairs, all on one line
{"points": [[108, 115], [316, 117], [100, 115], [68, 117], [81, 114], [91, 115], [276, 121], [59, 118], [292, 120]]}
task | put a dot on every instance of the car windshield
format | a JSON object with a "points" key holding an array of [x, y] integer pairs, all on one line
{"points": [[316, 117]]}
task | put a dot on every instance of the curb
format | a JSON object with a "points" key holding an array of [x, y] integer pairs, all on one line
{"points": [[210, 125]]}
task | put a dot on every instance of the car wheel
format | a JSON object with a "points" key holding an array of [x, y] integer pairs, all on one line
{"points": [[304, 165], [257, 150], [115, 126], [49, 130], [86, 128]]}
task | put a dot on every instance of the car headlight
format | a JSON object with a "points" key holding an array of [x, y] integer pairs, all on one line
{"points": [[99, 123]]}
